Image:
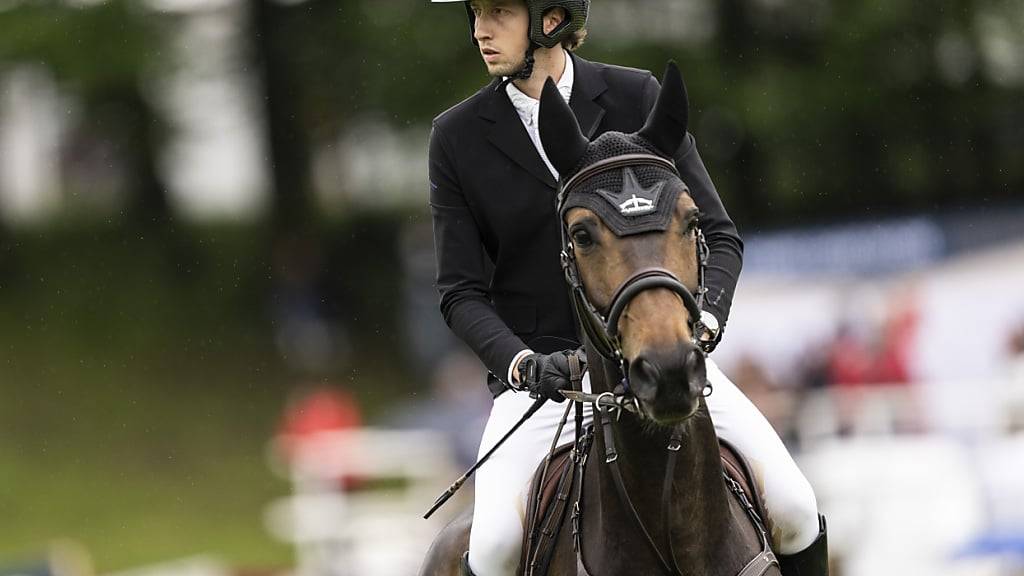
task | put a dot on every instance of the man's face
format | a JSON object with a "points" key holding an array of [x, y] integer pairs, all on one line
{"points": [[502, 31]]}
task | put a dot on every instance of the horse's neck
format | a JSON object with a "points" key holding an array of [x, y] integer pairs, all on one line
{"points": [[700, 515]]}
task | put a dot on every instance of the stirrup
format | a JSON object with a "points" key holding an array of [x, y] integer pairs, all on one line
{"points": [[811, 561], [464, 565]]}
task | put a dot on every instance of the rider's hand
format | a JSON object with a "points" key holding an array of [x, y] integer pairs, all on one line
{"points": [[543, 375]]}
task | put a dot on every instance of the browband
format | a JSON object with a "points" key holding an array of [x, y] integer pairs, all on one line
{"points": [[620, 162]]}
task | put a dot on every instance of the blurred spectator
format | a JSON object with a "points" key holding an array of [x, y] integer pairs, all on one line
{"points": [[313, 411], [775, 402], [891, 364], [1016, 354], [882, 356], [321, 409], [848, 358], [866, 356], [1015, 374], [306, 337], [812, 368]]}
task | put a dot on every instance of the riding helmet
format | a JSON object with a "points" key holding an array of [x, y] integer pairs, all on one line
{"points": [[576, 19]]}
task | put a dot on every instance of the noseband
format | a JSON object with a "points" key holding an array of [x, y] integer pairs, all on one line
{"points": [[603, 331]]}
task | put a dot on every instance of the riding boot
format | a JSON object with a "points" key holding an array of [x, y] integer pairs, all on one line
{"points": [[811, 561], [464, 565]]}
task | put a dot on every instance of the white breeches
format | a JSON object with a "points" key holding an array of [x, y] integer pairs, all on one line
{"points": [[502, 482]]}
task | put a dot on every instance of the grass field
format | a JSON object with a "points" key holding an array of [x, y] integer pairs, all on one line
{"points": [[138, 389]]}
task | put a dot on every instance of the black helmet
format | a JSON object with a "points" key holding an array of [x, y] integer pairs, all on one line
{"points": [[576, 18]]}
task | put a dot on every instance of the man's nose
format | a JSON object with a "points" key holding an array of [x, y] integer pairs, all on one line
{"points": [[481, 29]]}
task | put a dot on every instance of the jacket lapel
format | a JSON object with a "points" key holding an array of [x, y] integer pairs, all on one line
{"points": [[509, 135], [587, 86]]}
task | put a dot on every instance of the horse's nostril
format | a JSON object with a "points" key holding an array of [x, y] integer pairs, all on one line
{"points": [[644, 371], [696, 370]]}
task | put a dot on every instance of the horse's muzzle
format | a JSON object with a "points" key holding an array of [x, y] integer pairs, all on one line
{"points": [[669, 382]]}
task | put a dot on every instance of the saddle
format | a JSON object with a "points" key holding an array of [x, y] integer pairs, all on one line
{"points": [[551, 496]]}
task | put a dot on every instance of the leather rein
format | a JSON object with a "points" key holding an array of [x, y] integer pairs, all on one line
{"points": [[603, 333]]}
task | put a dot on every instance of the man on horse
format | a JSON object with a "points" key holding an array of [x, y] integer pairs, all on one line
{"points": [[497, 242]]}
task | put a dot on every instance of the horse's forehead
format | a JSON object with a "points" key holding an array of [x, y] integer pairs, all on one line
{"points": [[631, 200], [683, 204]]}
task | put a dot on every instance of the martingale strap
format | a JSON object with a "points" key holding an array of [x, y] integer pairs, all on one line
{"points": [[758, 566], [675, 443], [611, 458]]}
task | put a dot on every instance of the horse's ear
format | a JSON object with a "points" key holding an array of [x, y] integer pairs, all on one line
{"points": [[560, 134], [666, 124]]}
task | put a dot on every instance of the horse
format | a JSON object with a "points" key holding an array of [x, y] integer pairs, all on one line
{"points": [[648, 494]]}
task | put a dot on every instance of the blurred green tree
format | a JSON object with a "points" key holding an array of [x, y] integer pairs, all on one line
{"points": [[810, 110], [102, 54]]}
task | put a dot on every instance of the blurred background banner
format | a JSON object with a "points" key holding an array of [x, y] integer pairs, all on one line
{"points": [[220, 347]]}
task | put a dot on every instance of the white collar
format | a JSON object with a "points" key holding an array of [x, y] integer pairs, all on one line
{"points": [[528, 107]]}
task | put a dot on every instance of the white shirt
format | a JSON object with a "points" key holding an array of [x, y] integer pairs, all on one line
{"points": [[529, 108], [529, 111]]}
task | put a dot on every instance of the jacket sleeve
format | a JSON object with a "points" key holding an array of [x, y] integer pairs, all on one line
{"points": [[462, 275], [726, 247]]}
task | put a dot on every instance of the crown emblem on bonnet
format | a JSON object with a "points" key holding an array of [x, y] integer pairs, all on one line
{"points": [[634, 200], [636, 206]]}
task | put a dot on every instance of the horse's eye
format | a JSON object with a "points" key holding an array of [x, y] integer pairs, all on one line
{"points": [[582, 238]]}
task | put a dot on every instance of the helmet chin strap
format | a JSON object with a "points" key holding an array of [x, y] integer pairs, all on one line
{"points": [[525, 71]]}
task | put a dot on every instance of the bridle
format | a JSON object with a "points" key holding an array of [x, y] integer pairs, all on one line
{"points": [[603, 332], [603, 329]]}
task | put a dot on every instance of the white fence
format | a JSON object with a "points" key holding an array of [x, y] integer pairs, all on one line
{"points": [[374, 524], [912, 479]]}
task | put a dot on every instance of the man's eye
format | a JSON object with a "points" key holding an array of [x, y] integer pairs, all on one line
{"points": [[582, 238]]}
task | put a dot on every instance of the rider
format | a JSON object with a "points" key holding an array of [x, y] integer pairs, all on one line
{"points": [[496, 236]]}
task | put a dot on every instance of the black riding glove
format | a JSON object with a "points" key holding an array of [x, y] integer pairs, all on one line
{"points": [[543, 375]]}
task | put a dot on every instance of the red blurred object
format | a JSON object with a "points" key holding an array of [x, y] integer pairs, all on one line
{"points": [[849, 361], [892, 366], [322, 409]]}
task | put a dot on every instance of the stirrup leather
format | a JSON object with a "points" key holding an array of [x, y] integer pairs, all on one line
{"points": [[464, 565]]}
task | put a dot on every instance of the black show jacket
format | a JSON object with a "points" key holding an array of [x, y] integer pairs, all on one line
{"points": [[496, 232]]}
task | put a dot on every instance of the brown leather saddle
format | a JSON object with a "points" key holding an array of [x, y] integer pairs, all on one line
{"points": [[551, 496]]}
